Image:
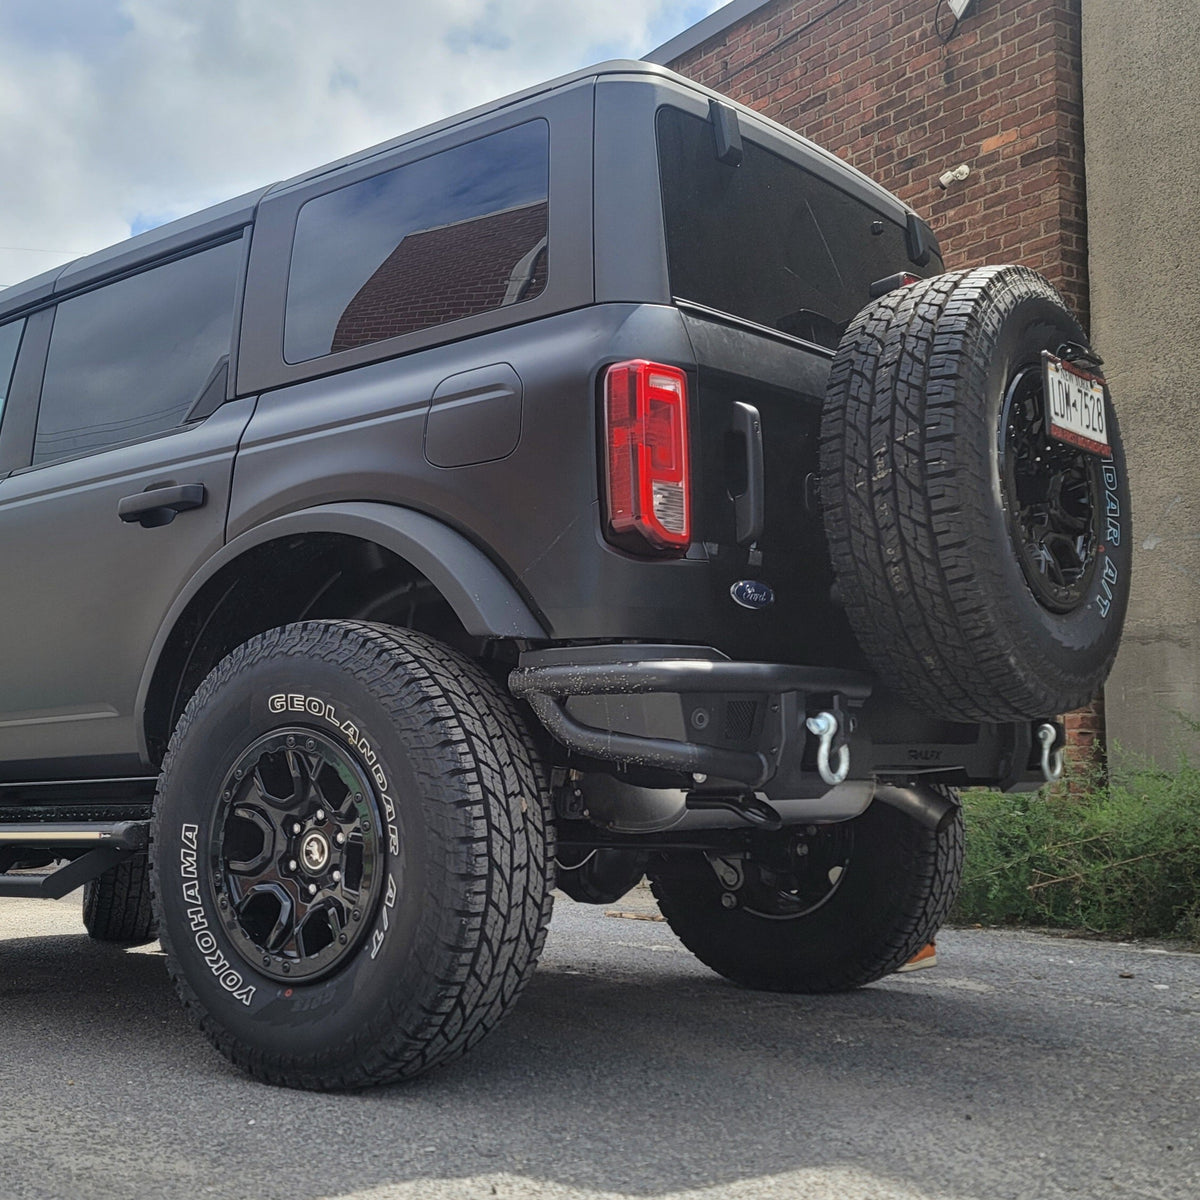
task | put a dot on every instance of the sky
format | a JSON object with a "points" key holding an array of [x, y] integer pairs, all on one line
{"points": [[119, 115]]}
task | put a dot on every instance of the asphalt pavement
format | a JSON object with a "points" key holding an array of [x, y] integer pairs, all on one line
{"points": [[1023, 1066]]}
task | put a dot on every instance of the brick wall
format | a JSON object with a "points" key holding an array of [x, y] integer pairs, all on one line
{"points": [[873, 82]]}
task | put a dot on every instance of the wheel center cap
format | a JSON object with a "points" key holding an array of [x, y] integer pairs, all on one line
{"points": [[314, 850]]}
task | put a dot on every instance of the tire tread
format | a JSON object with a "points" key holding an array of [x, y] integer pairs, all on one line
{"points": [[492, 931]]}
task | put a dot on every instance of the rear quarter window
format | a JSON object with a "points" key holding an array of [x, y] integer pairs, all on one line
{"points": [[458, 233]]}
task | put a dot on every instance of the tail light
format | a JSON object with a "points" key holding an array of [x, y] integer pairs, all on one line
{"points": [[646, 423], [881, 287]]}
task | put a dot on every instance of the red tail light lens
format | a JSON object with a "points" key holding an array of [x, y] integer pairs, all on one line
{"points": [[881, 287], [645, 412]]}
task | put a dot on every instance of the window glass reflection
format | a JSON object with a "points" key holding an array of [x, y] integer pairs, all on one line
{"points": [[131, 358], [458, 233]]}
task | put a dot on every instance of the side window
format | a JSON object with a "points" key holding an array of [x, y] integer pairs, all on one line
{"points": [[132, 357], [10, 343], [458, 233]]}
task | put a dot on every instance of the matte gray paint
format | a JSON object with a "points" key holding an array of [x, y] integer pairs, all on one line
{"points": [[474, 417], [28, 293], [94, 589], [514, 543]]}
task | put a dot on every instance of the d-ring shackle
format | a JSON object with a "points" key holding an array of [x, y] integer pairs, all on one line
{"points": [[1052, 759], [825, 726]]}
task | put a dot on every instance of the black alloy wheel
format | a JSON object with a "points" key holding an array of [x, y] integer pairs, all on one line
{"points": [[298, 851], [796, 874], [1053, 498], [854, 906]]}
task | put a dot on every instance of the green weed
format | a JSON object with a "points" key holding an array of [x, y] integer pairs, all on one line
{"points": [[1114, 857]]}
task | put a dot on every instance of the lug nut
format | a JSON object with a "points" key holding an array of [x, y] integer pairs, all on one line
{"points": [[320, 814], [312, 889], [292, 864], [340, 839], [296, 828], [336, 876]]}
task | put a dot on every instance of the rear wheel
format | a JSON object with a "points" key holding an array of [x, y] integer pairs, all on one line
{"points": [[352, 854], [116, 905], [823, 912]]}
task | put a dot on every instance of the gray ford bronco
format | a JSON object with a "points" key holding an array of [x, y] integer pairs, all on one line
{"points": [[604, 483]]}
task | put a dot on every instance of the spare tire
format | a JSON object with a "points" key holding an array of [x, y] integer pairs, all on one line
{"points": [[983, 565]]}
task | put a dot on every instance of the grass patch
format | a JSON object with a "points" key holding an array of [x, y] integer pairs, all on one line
{"points": [[1119, 857]]}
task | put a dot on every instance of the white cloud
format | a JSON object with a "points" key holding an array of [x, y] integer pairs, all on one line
{"points": [[122, 113]]}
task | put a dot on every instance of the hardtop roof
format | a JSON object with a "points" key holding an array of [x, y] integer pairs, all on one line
{"points": [[231, 215]]}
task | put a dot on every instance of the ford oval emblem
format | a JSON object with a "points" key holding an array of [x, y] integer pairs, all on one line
{"points": [[751, 593]]}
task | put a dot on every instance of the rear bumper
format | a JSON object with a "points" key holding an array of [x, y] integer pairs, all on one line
{"points": [[692, 712]]}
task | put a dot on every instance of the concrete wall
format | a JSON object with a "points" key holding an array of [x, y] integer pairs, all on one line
{"points": [[1142, 139]]}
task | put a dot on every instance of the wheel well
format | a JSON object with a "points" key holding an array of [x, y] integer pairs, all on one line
{"points": [[299, 577]]}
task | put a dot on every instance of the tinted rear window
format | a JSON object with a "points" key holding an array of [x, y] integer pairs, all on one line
{"points": [[767, 240], [458, 233]]}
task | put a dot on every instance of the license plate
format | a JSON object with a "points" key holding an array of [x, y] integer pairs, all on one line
{"points": [[1075, 406]]}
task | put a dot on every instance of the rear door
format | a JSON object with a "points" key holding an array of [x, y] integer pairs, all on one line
{"points": [[770, 255], [130, 421]]}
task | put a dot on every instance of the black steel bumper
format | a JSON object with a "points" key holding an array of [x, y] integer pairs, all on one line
{"points": [[744, 723]]}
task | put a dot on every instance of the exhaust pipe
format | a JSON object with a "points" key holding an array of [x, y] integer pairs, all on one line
{"points": [[925, 806]]}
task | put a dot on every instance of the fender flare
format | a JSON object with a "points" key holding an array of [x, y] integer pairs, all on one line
{"points": [[482, 598]]}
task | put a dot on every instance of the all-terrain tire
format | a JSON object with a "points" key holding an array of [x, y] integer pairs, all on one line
{"points": [[116, 905], [413, 774], [896, 888], [984, 567]]}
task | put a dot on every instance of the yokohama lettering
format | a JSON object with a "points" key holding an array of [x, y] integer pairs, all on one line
{"points": [[217, 963]]}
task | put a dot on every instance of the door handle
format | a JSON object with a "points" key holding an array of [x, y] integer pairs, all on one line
{"points": [[158, 505], [749, 504]]}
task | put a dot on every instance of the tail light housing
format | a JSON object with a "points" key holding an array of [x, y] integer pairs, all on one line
{"points": [[647, 473], [881, 287]]}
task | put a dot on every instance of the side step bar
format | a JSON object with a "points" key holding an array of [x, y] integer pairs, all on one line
{"points": [[103, 846]]}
